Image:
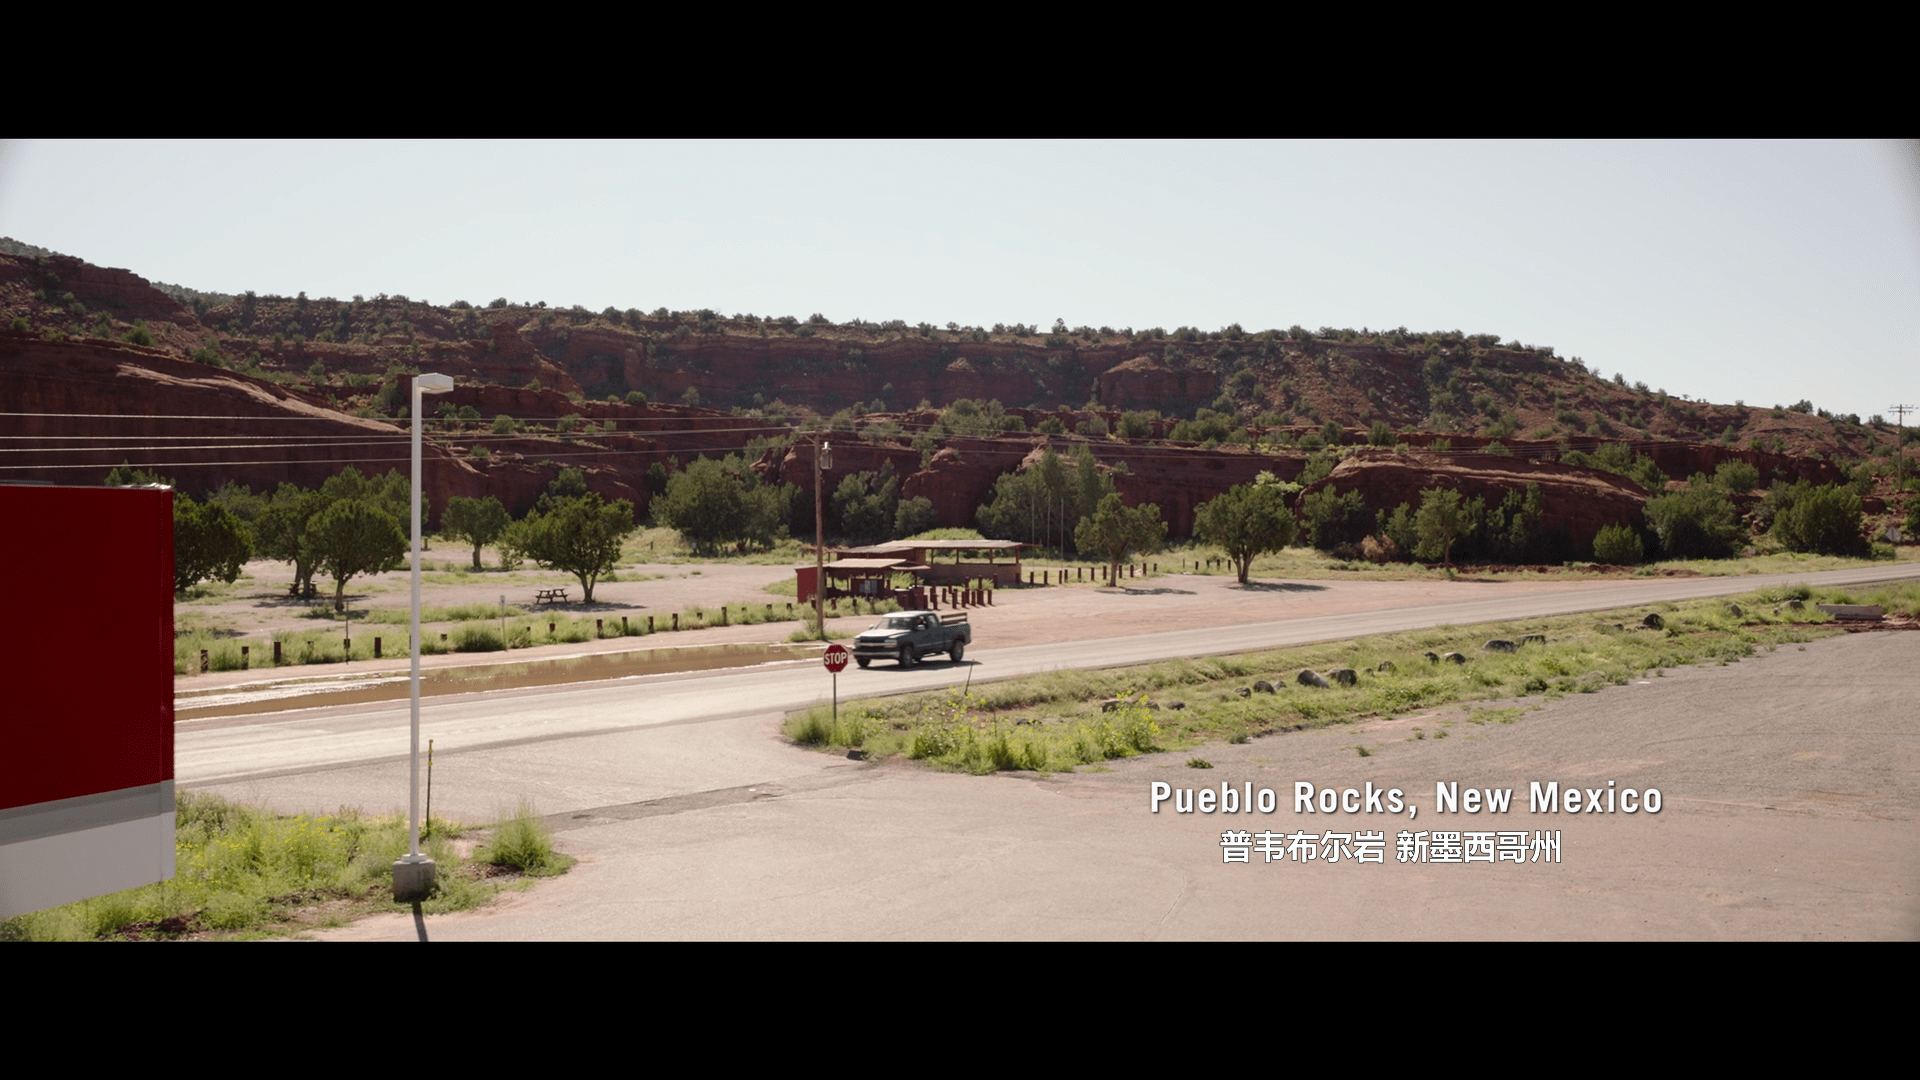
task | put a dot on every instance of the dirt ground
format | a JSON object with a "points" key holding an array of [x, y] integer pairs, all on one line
{"points": [[1787, 813]]}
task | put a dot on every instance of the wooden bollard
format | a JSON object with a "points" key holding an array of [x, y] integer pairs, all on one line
{"points": [[443, 638], [376, 648], [676, 620], [243, 657], [623, 626], [649, 624], [723, 615], [596, 629], [549, 629], [276, 654], [203, 661]]}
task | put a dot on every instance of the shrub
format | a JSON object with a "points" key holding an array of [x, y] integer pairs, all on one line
{"points": [[1737, 477], [523, 843], [1696, 523], [1824, 519], [1618, 545]]}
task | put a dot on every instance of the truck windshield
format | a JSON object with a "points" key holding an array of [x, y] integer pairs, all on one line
{"points": [[895, 622]]}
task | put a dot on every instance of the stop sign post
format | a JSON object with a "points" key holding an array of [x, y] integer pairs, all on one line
{"points": [[835, 659]]}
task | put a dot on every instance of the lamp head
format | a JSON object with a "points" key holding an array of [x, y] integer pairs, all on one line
{"points": [[433, 383]]}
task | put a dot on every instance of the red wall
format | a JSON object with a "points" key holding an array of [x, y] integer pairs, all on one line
{"points": [[87, 641]]}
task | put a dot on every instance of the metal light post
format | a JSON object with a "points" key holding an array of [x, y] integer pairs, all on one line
{"points": [[413, 873]]}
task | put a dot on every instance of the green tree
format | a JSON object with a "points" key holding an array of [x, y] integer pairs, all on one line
{"points": [[581, 537], [476, 521], [864, 505], [1045, 500], [1736, 477], [209, 543], [280, 531], [1698, 522], [1618, 545], [713, 502], [1444, 517], [353, 537], [1117, 532], [570, 484], [914, 516], [1823, 519], [1330, 518], [1249, 520], [389, 494]]}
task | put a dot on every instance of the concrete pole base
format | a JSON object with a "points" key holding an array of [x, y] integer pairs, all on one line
{"points": [[413, 877]]}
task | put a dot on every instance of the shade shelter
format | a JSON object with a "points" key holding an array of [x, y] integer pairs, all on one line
{"points": [[949, 562]]}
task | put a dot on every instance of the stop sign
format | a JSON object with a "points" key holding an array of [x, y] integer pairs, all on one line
{"points": [[835, 658]]}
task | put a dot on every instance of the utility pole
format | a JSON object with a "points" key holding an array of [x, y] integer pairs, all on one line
{"points": [[821, 460], [1899, 443]]}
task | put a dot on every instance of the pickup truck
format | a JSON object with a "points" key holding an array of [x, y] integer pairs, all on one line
{"points": [[907, 636]]}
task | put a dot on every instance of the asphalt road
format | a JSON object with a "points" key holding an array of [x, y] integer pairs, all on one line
{"points": [[694, 819], [225, 750]]}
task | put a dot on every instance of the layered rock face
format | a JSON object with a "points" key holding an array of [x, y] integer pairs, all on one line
{"points": [[205, 427], [1146, 383], [1575, 501]]}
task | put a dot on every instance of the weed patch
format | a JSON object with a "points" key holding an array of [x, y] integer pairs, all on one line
{"points": [[243, 872]]}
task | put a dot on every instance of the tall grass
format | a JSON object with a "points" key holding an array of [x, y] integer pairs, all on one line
{"points": [[521, 841], [244, 871]]}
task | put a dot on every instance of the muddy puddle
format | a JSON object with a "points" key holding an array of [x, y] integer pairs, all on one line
{"points": [[328, 692]]}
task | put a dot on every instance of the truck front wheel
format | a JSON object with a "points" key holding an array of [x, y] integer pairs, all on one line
{"points": [[906, 656], [862, 661]]}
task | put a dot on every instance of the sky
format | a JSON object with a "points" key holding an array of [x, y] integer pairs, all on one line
{"points": [[1763, 272]]}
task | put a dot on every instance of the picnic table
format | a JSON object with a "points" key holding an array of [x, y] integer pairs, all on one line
{"points": [[550, 596]]}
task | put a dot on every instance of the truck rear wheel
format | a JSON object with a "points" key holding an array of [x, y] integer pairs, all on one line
{"points": [[959, 649]]}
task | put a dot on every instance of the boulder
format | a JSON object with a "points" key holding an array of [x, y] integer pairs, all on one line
{"points": [[1310, 678], [1653, 621], [1344, 676], [1385, 667], [1499, 645], [1576, 502], [1263, 686], [1533, 639], [1454, 658]]}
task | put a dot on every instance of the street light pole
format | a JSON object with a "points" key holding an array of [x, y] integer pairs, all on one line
{"points": [[413, 873]]}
